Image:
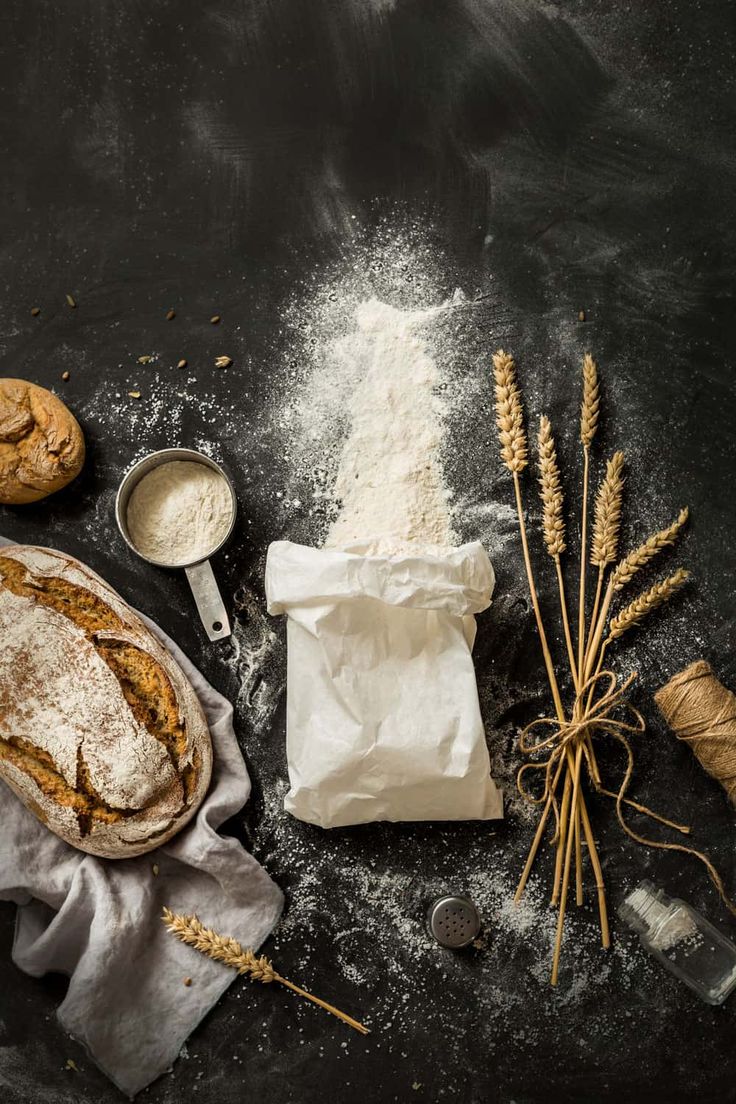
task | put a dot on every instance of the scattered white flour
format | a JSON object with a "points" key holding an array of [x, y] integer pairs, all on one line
{"points": [[389, 481], [179, 512]]}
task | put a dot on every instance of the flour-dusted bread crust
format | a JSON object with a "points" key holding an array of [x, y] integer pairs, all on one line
{"points": [[101, 734], [41, 444]]}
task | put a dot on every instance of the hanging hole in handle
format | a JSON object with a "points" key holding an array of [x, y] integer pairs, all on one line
{"points": [[216, 626]]}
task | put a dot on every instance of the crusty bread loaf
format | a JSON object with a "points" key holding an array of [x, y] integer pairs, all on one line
{"points": [[41, 444], [101, 734]]}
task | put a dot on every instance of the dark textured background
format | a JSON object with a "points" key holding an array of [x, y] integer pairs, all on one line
{"points": [[573, 155]]}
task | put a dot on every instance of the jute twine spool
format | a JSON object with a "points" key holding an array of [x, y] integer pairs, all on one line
{"points": [[702, 712]]}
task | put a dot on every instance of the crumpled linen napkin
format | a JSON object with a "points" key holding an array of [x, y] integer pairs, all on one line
{"points": [[98, 920]]}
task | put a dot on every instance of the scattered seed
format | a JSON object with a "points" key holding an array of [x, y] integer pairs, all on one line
{"points": [[154, 868], [223, 362], [71, 301], [65, 375], [145, 359], [35, 311], [182, 364], [170, 314], [187, 981], [215, 319], [134, 394], [581, 316]]}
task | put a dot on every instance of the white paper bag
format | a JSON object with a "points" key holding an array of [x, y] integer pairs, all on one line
{"points": [[383, 720]]}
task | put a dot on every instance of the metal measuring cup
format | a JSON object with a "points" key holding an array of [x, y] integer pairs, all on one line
{"points": [[207, 597]]}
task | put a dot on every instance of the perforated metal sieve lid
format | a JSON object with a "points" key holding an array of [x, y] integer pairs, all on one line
{"points": [[453, 921]]}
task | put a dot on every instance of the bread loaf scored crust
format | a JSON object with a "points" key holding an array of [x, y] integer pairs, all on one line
{"points": [[101, 734], [41, 444]]}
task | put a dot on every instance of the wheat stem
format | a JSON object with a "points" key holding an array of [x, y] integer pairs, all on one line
{"points": [[578, 859], [566, 623], [562, 838], [566, 874], [554, 687], [583, 558], [596, 604], [537, 836], [190, 930]]}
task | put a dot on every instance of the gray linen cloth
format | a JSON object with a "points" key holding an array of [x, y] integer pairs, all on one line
{"points": [[98, 920]]}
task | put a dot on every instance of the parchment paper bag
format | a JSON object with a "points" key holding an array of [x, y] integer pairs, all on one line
{"points": [[383, 720]]}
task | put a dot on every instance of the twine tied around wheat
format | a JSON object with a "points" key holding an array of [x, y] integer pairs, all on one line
{"points": [[596, 717]]}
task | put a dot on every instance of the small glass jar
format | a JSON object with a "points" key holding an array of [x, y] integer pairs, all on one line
{"points": [[683, 941]]}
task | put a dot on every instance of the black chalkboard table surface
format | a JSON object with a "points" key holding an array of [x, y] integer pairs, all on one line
{"points": [[569, 166]]}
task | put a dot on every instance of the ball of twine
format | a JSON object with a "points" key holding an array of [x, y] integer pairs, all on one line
{"points": [[702, 712]]}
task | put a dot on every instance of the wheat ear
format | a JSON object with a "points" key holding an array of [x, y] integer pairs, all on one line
{"points": [[590, 407], [553, 524], [606, 529], [190, 930], [509, 413], [607, 524], [645, 603], [589, 412], [641, 556], [550, 490]]}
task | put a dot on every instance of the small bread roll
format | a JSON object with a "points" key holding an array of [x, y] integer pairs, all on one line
{"points": [[41, 444]]}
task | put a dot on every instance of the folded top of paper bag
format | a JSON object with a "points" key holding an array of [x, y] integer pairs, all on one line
{"points": [[459, 581]]}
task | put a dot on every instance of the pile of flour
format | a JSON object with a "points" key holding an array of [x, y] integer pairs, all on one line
{"points": [[389, 481]]}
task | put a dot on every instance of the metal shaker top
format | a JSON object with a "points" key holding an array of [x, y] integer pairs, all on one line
{"points": [[453, 921]]}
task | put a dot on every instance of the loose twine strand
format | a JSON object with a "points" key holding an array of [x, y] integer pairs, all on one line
{"points": [[597, 702]]}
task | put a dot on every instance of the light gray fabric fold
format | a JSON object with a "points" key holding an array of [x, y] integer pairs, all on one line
{"points": [[98, 920]]}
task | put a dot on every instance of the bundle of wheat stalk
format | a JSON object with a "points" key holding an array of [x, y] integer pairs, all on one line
{"points": [[561, 746]]}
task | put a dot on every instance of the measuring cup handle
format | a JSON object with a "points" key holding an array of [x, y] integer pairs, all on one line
{"points": [[210, 605]]}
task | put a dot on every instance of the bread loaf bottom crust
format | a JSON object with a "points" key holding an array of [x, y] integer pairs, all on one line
{"points": [[147, 690]]}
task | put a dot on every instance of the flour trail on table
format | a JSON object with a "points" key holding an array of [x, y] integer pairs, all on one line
{"points": [[389, 481]]}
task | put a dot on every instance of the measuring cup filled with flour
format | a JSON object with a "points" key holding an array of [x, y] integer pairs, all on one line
{"points": [[175, 508]]}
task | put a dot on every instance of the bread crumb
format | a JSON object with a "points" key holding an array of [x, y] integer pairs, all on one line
{"points": [[581, 316], [154, 868], [182, 363], [222, 362], [215, 319], [70, 1064], [134, 394], [65, 375], [35, 311], [145, 359]]}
